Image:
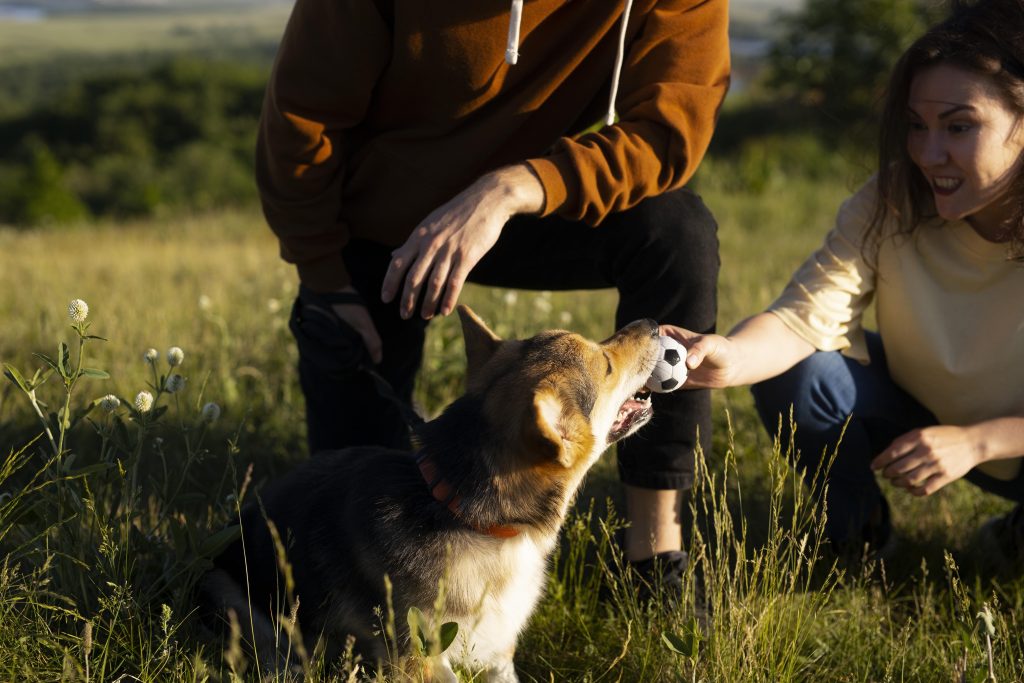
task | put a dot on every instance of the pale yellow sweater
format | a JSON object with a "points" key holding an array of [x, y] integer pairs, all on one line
{"points": [[950, 310]]}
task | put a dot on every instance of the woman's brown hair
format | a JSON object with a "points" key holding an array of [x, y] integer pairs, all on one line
{"points": [[986, 37]]}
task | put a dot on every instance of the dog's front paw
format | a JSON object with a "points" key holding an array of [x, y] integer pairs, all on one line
{"points": [[502, 672], [440, 671]]}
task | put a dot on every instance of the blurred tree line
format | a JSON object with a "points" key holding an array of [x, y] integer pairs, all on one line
{"points": [[814, 110], [111, 140], [128, 142]]}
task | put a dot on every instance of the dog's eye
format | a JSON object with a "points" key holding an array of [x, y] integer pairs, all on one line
{"points": [[609, 362]]}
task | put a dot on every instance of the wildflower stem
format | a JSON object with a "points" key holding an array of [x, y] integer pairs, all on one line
{"points": [[42, 418], [69, 387], [137, 456], [181, 423], [991, 663]]}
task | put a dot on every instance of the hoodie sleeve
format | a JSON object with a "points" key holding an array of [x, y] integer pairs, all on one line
{"points": [[330, 57], [674, 78]]}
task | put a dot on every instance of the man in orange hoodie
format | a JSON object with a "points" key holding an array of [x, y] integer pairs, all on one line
{"points": [[407, 147]]}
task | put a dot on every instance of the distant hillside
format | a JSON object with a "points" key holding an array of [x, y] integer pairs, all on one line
{"points": [[744, 10], [85, 6]]}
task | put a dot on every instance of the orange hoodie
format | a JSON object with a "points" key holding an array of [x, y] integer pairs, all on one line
{"points": [[379, 111]]}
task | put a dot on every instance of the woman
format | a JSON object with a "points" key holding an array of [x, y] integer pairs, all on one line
{"points": [[936, 239]]}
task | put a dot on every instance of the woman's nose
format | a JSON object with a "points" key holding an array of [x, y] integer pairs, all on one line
{"points": [[933, 151]]}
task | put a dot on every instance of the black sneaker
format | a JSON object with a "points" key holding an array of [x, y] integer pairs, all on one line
{"points": [[660, 579], [999, 542]]}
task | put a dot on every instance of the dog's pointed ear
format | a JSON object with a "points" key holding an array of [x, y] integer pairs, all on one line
{"points": [[481, 342], [543, 434], [555, 436]]}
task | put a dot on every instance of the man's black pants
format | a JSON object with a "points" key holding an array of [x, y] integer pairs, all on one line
{"points": [[661, 256]]}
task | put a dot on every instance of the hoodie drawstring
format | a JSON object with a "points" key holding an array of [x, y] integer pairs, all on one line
{"points": [[619, 57], [515, 18], [512, 49]]}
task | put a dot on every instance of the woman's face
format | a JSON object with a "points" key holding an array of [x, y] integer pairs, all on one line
{"points": [[967, 143]]}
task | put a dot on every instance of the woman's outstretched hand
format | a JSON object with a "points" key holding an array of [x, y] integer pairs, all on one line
{"points": [[758, 348], [711, 359]]}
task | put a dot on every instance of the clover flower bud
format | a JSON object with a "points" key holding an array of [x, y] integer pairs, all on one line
{"points": [[110, 403], [210, 412], [151, 356], [175, 356], [205, 302], [144, 401], [986, 621], [78, 311], [174, 383]]}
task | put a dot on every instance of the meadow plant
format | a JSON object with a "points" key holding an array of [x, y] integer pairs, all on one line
{"points": [[105, 540]]}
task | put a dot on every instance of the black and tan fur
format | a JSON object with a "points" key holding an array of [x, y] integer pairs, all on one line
{"points": [[536, 415]]}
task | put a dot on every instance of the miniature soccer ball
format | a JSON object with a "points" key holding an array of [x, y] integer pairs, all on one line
{"points": [[670, 369]]}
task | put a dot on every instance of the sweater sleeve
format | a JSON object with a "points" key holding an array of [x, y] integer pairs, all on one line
{"points": [[330, 57], [825, 300], [674, 78]]}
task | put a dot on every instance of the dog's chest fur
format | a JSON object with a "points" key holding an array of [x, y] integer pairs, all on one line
{"points": [[492, 593]]}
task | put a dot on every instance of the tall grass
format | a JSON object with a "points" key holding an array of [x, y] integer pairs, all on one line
{"points": [[101, 555]]}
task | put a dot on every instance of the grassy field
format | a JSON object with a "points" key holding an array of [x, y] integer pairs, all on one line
{"points": [[102, 552]]}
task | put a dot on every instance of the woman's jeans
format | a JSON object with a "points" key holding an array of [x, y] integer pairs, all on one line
{"points": [[826, 389]]}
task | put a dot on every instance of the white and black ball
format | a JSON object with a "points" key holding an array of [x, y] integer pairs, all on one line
{"points": [[669, 371]]}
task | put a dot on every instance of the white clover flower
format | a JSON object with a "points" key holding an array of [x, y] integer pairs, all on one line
{"points": [[78, 311], [565, 317], [110, 403], [144, 401], [210, 412], [205, 302], [511, 297], [151, 356], [543, 304], [175, 356], [174, 383], [273, 305]]}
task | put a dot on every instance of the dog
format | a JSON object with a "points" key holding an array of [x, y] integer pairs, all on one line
{"points": [[463, 528]]}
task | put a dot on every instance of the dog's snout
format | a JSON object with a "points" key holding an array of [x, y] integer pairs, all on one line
{"points": [[645, 327]]}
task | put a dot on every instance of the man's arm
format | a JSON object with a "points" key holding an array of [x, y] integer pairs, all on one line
{"points": [[437, 257], [674, 80], [327, 65]]}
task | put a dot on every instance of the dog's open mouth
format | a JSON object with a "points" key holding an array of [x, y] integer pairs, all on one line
{"points": [[633, 414]]}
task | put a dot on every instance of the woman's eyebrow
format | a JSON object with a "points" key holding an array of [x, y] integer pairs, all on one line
{"points": [[946, 114], [954, 110]]}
